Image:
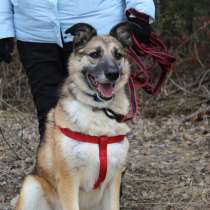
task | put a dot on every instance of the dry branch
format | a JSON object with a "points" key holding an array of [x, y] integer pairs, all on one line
{"points": [[203, 79], [197, 55], [198, 115], [204, 26]]}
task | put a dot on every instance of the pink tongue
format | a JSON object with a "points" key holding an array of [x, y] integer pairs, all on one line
{"points": [[106, 90]]}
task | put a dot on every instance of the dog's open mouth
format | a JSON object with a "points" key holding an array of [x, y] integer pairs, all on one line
{"points": [[104, 90]]}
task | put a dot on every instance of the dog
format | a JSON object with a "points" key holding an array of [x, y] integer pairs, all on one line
{"points": [[80, 163]]}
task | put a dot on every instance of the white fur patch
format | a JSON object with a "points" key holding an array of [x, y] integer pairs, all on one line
{"points": [[13, 202], [33, 195], [91, 122]]}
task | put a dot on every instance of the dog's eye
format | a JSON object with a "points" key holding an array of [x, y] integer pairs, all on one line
{"points": [[95, 54], [118, 55]]}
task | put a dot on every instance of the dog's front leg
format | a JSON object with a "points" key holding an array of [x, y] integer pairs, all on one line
{"points": [[111, 199], [68, 190]]}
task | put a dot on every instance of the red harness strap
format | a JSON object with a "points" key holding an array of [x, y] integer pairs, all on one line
{"points": [[102, 142]]}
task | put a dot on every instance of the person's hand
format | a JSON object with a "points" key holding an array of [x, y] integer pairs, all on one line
{"points": [[6, 49], [142, 29]]}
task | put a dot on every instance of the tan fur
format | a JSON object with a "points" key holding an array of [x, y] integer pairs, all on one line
{"points": [[57, 183]]}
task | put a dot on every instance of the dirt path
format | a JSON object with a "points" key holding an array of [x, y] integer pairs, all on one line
{"points": [[168, 165]]}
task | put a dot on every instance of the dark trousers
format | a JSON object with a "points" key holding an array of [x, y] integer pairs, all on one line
{"points": [[46, 68]]}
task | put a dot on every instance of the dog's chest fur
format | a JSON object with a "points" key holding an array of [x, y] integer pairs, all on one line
{"points": [[85, 156]]}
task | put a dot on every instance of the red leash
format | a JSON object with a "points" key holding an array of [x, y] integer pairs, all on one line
{"points": [[102, 142], [156, 51]]}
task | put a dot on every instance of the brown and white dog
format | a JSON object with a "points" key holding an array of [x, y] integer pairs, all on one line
{"points": [[67, 169]]}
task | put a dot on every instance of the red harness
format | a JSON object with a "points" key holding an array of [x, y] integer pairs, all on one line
{"points": [[102, 142]]}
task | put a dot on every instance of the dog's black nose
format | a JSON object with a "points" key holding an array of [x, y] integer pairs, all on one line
{"points": [[112, 75]]}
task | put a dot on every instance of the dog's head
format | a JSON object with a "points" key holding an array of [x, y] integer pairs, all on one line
{"points": [[98, 65]]}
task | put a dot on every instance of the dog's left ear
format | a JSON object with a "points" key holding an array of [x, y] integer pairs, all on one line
{"points": [[82, 33], [123, 33]]}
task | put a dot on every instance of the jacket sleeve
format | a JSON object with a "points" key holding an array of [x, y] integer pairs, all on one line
{"points": [[6, 19], [145, 6]]}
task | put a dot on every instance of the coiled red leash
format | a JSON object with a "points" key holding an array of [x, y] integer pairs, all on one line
{"points": [[158, 54]]}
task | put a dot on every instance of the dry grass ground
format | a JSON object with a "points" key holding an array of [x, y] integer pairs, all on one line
{"points": [[168, 165], [169, 160]]}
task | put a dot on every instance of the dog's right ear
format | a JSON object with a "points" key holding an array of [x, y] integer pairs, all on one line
{"points": [[82, 33]]}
